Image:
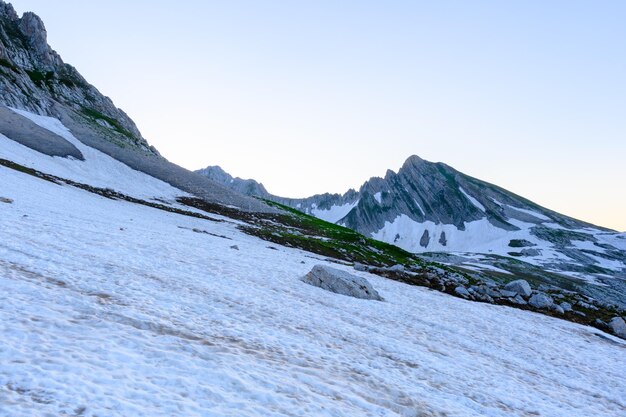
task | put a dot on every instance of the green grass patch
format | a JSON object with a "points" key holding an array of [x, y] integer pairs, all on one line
{"points": [[96, 115]]}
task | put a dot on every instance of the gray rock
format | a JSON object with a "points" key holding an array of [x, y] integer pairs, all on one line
{"points": [[397, 268], [530, 252], [425, 239], [518, 300], [558, 309], [25, 132], [507, 294], [442, 239], [341, 282], [6, 200], [566, 306], [360, 267], [235, 247], [520, 286], [462, 291], [541, 300], [618, 327]]}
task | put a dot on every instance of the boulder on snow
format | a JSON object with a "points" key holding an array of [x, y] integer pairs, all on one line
{"points": [[519, 286], [618, 327], [541, 300], [6, 200], [341, 282]]}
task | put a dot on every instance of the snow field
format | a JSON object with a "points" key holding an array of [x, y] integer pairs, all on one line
{"points": [[112, 309]]}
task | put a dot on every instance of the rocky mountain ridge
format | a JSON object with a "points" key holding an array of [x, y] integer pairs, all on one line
{"points": [[35, 78], [447, 216]]}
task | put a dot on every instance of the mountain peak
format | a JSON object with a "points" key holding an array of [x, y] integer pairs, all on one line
{"points": [[7, 10], [413, 161]]}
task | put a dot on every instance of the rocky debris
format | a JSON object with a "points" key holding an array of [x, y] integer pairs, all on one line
{"points": [[341, 282], [360, 267], [6, 200], [235, 247], [541, 300], [397, 268], [462, 291], [557, 309], [618, 327], [566, 306], [425, 239], [507, 293], [519, 300], [520, 286]]}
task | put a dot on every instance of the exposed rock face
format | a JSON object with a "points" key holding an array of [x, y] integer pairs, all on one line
{"points": [[33, 77], [246, 187], [340, 282], [520, 287], [26, 132]]}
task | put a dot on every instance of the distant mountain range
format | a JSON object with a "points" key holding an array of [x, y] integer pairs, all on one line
{"points": [[433, 209]]}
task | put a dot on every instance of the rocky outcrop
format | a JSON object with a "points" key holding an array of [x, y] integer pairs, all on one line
{"points": [[33, 77], [243, 186], [341, 282]]}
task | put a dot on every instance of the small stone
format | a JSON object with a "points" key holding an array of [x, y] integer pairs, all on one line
{"points": [[359, 266], [6, 200], [235, 247], [618, 327], [462, 291], [397, 268], [518, 299], [541, 300], [520, 286], [507, 294], [566, 306], [558, 309]]}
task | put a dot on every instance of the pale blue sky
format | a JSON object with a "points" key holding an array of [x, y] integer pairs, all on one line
{"points": [[309, 97]]}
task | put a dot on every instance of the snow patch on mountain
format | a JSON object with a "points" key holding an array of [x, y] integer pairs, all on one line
{"points": [[530, 212], [334, 213], [472, 199]]}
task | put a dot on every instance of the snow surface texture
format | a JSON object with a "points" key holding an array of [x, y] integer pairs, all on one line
{"points": [[113, 309]]}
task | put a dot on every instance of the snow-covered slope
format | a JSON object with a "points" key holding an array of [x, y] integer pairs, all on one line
{"points": [[108, 308], [97, 169]]}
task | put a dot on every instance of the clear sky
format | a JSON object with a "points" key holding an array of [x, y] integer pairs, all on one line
{"points": [[309, 97]]}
